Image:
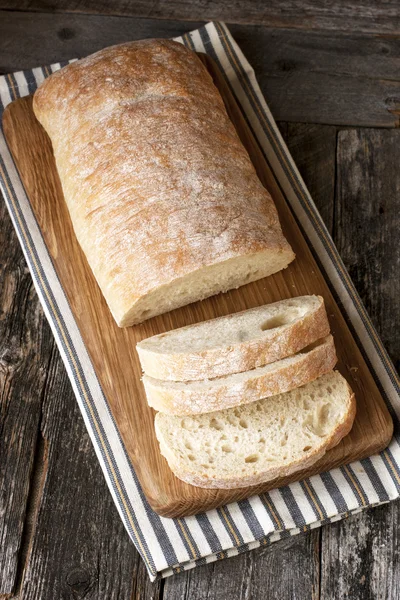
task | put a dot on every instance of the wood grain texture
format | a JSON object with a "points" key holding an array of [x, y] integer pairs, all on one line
{"points": [[367, 15], [360, 556], [25, 346], [314, 77], [50, 38], [313, 148], [308, 77], [80, 548], [112, 350], [367, 224], [285, 570]]}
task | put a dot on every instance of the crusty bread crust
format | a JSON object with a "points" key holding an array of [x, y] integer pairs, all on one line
{"points": [[224, 392], [179, 468], [269, 346], [158, 185]]}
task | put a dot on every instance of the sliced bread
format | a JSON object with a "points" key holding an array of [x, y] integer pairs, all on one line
{"points": [[258, 442], [185, 398], [236, 342]]}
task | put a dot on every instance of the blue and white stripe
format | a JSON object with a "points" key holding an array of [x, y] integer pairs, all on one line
{"points": [[170, 545]]}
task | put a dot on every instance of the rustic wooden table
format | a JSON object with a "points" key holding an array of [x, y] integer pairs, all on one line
{"points": [[331, 75]]}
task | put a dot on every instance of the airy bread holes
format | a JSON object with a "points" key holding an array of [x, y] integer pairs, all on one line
{"points": [[214, 424], [277, 321], [188, 424], [291, 313], [324, 414], [252, 458]]}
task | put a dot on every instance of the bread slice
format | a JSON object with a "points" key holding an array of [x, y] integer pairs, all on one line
{"points": [[258, 442], [235, 343], [193, 397]]}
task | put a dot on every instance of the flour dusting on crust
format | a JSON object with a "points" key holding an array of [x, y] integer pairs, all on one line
{"points": [[156, 180]]}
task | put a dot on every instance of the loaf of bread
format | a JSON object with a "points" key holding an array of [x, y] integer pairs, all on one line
{"points": [[192, 397], [235, 343], [258, 442], [162, 195]]}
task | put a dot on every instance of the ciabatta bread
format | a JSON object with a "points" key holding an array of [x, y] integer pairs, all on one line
{"points": [[236, 342], [186, 398], [258, 442], [163, 197]]}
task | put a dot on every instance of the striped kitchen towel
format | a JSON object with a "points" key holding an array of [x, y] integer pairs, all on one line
{"points": [[170, 545]]}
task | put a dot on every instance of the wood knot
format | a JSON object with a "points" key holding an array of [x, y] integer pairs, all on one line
{"points": [[80, 581], [65, 33], [392, 102], [286, 65], [11, 357]]}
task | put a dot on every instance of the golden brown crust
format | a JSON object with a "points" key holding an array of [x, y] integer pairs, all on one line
{"points": [[186, 399], [156, 180]]}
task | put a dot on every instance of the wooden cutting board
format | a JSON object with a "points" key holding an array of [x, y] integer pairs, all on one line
{"points": [[112, 350]]}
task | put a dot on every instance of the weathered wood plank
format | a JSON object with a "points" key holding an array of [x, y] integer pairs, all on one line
{"points": [[49, 38], [25, 347], [367, 15], [360, 556], [306, 77], [326, 78], [80, 548], [313, 148], [367, 224], [285, 570]]}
